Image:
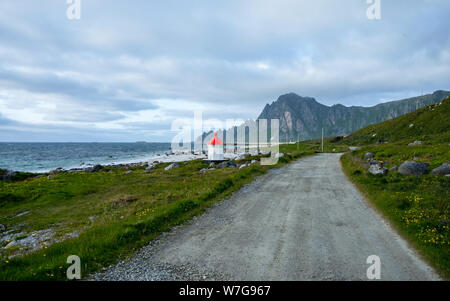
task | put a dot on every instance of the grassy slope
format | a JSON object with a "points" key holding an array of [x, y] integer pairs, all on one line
{"points": [[129, 211], [431, 123], [418, 206]]}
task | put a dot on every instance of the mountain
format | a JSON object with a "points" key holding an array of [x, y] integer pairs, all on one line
{"points": [[303, 117]]}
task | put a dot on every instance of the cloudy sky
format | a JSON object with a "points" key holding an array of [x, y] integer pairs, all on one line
{"points": [[127, 69]]}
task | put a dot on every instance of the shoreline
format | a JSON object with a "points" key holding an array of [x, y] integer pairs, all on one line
{"points": [[166, 158]]}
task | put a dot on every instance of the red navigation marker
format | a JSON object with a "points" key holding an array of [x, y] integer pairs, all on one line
{"points": [[216, 140]]}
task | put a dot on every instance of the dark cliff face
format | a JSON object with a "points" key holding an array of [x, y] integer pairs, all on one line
{"points": [[303, 117]]}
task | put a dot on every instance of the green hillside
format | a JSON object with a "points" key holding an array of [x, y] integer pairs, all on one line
{"points": [[418, 206], [428, 124]]}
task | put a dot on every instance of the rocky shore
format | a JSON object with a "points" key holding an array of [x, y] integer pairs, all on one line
{"points": [[170, 157]]}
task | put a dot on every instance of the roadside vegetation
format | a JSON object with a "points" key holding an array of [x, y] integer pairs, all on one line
{"points": [[108, 215], [105, 216], [418, 206]]}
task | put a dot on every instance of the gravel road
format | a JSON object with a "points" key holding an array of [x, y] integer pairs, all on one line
{"points": [[305, 221]]}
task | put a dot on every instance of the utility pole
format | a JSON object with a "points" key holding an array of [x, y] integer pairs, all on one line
{"points": [[257, 136], [322, 140]]}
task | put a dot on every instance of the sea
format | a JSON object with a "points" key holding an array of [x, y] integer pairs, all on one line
{"points": [[43, 157]]}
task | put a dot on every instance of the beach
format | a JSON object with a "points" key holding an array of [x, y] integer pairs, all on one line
{"points": [[46, 157]]}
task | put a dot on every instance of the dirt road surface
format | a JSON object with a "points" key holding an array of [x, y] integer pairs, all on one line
{"points": [[305, 221]]}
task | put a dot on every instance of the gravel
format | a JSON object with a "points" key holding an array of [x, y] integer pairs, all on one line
{"points": [[305, 221]]}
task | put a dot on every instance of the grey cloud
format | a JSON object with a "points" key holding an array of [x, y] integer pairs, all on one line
{"points": [[89, 92], [231, 57], [6, 121]]}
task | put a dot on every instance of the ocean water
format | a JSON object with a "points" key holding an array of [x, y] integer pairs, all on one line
{"points": [[43, 157]]}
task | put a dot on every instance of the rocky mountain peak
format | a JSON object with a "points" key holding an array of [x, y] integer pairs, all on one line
{"points": [[303, 117]]}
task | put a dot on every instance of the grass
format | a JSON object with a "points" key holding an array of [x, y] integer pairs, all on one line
{"points": [[430, 124], [114, 213], [117, 213], [417, 206], [330, 146]]}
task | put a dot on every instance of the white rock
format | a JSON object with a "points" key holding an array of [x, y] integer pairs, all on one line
{"points": [[377, 169], [172, 166], [279, 155], [415, 143]]}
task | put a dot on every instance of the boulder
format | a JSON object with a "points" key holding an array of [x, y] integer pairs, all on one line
{"points": [[392, 169], [369, 156], [204, 170], [224, 164], [243, 166], [415, 143], [378, 169], [410, 168], [150, 168], [442, 170], [279, 155], [57, 171], [172, 166], [232, 164], [129, 172], [95, 168], [2, 228]]}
